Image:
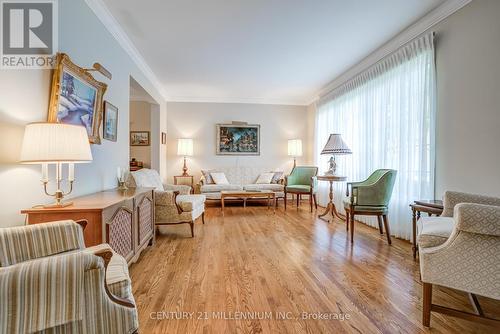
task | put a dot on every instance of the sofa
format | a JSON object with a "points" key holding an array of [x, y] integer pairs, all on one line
{"points": [[241, 178], [461, 250], [51, 283], [174, 204]]}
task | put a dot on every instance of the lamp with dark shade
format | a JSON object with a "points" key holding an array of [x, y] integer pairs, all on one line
{"points": [[335, 146]]}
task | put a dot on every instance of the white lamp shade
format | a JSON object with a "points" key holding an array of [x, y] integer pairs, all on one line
{"points": [[335, 145], [295, 147], [185, 147], [55, 142]]}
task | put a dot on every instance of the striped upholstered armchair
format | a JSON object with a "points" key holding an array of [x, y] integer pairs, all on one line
{"points": [[49, 282]]}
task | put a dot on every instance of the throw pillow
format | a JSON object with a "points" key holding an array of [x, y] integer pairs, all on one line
{"points": [[207, 176], [277, 177], [219, 178], [265, 178]]}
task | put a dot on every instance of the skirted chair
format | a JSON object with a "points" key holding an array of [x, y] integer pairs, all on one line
{"points": [[461, 250], [51, 283], [302, 181], [370, 197], [174, 204]]}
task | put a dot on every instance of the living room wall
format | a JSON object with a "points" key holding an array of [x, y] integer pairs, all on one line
{"points": [[25, 97], [198, 121], [468, 109]]}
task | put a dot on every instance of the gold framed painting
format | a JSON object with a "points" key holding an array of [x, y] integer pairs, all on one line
{"points": [[139, 138], [76, 97]]}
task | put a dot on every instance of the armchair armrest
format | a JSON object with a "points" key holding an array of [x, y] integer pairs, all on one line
{"points": [[182, 189], [167, 198], [314, 183], [364, 195], [106, 255], [478, 218]]}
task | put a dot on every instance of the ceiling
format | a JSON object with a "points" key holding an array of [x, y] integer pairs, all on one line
{"points": [[281, 51]]}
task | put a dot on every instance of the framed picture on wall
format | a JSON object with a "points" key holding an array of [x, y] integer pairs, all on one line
{"points": [[238, 139], [139, 138], [110, 129], [76, 97]]}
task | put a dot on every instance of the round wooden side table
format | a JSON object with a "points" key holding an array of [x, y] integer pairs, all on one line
{"points": [[330, 208]]}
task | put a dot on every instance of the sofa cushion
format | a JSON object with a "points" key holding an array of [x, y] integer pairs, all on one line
{"points": [[210, 188], [265, 178], [270, 186], [277, 177], [190, 202], [219, 178], [434, 231], [207, 176]]}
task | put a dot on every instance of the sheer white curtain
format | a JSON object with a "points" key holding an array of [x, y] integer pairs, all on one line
{"points": [[386, 116]]}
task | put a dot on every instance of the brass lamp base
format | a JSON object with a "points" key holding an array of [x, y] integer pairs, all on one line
{"points": [[57, 205]]}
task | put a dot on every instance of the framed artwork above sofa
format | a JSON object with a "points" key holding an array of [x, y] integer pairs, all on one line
{"points": [[238, 139]]}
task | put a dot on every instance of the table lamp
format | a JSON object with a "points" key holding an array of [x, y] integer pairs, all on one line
{"points": [[58, 144], [335, 146], [294, 149], [185, 149]]}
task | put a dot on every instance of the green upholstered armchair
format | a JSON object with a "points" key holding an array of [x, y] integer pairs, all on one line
{"points": [[302, 181], [371, 197]]}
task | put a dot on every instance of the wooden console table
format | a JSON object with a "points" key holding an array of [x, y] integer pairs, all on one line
{"points": [[122, 218], [431, 207]]}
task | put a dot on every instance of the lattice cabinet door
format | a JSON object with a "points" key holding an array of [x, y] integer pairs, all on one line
{"points": [[145, 219], [120, 232]]}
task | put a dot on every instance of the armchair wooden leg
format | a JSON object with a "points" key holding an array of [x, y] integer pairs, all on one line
{"points": [[426, 303], [286, 197], [311, 201], [203, 217], [191, 224], [298, 200], [347, 216], [379, 219], [352, 226], [315, 201], [387, 230]]}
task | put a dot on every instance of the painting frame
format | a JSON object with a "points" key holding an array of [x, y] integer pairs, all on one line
{"points": [[135, 141], [224, 130], [108, 110], [65, 69]]}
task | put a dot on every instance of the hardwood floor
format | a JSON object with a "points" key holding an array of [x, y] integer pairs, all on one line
{"points": [[254, 263]]}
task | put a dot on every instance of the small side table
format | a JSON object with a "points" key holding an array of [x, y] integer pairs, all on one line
{"points": [[330, 208], [187, 180], [431, 207]]}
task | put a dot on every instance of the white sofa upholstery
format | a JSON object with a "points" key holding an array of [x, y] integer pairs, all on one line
{"points": [[240, 178]]}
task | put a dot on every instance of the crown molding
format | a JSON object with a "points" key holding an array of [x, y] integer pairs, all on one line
{"points": [[236, 100], [423, 24], [104, 15]]}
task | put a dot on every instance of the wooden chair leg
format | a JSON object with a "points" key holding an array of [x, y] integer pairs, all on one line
{"points": [[315, 201], [286, 197], [203, 217], [352, 226], [298, 200], [426, 303], [387, 230], [191, 224], [347, 216], [311, 201], [379, 219]]}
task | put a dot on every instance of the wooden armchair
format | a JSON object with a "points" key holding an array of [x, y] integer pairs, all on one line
{"points": [[371, 198]]}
